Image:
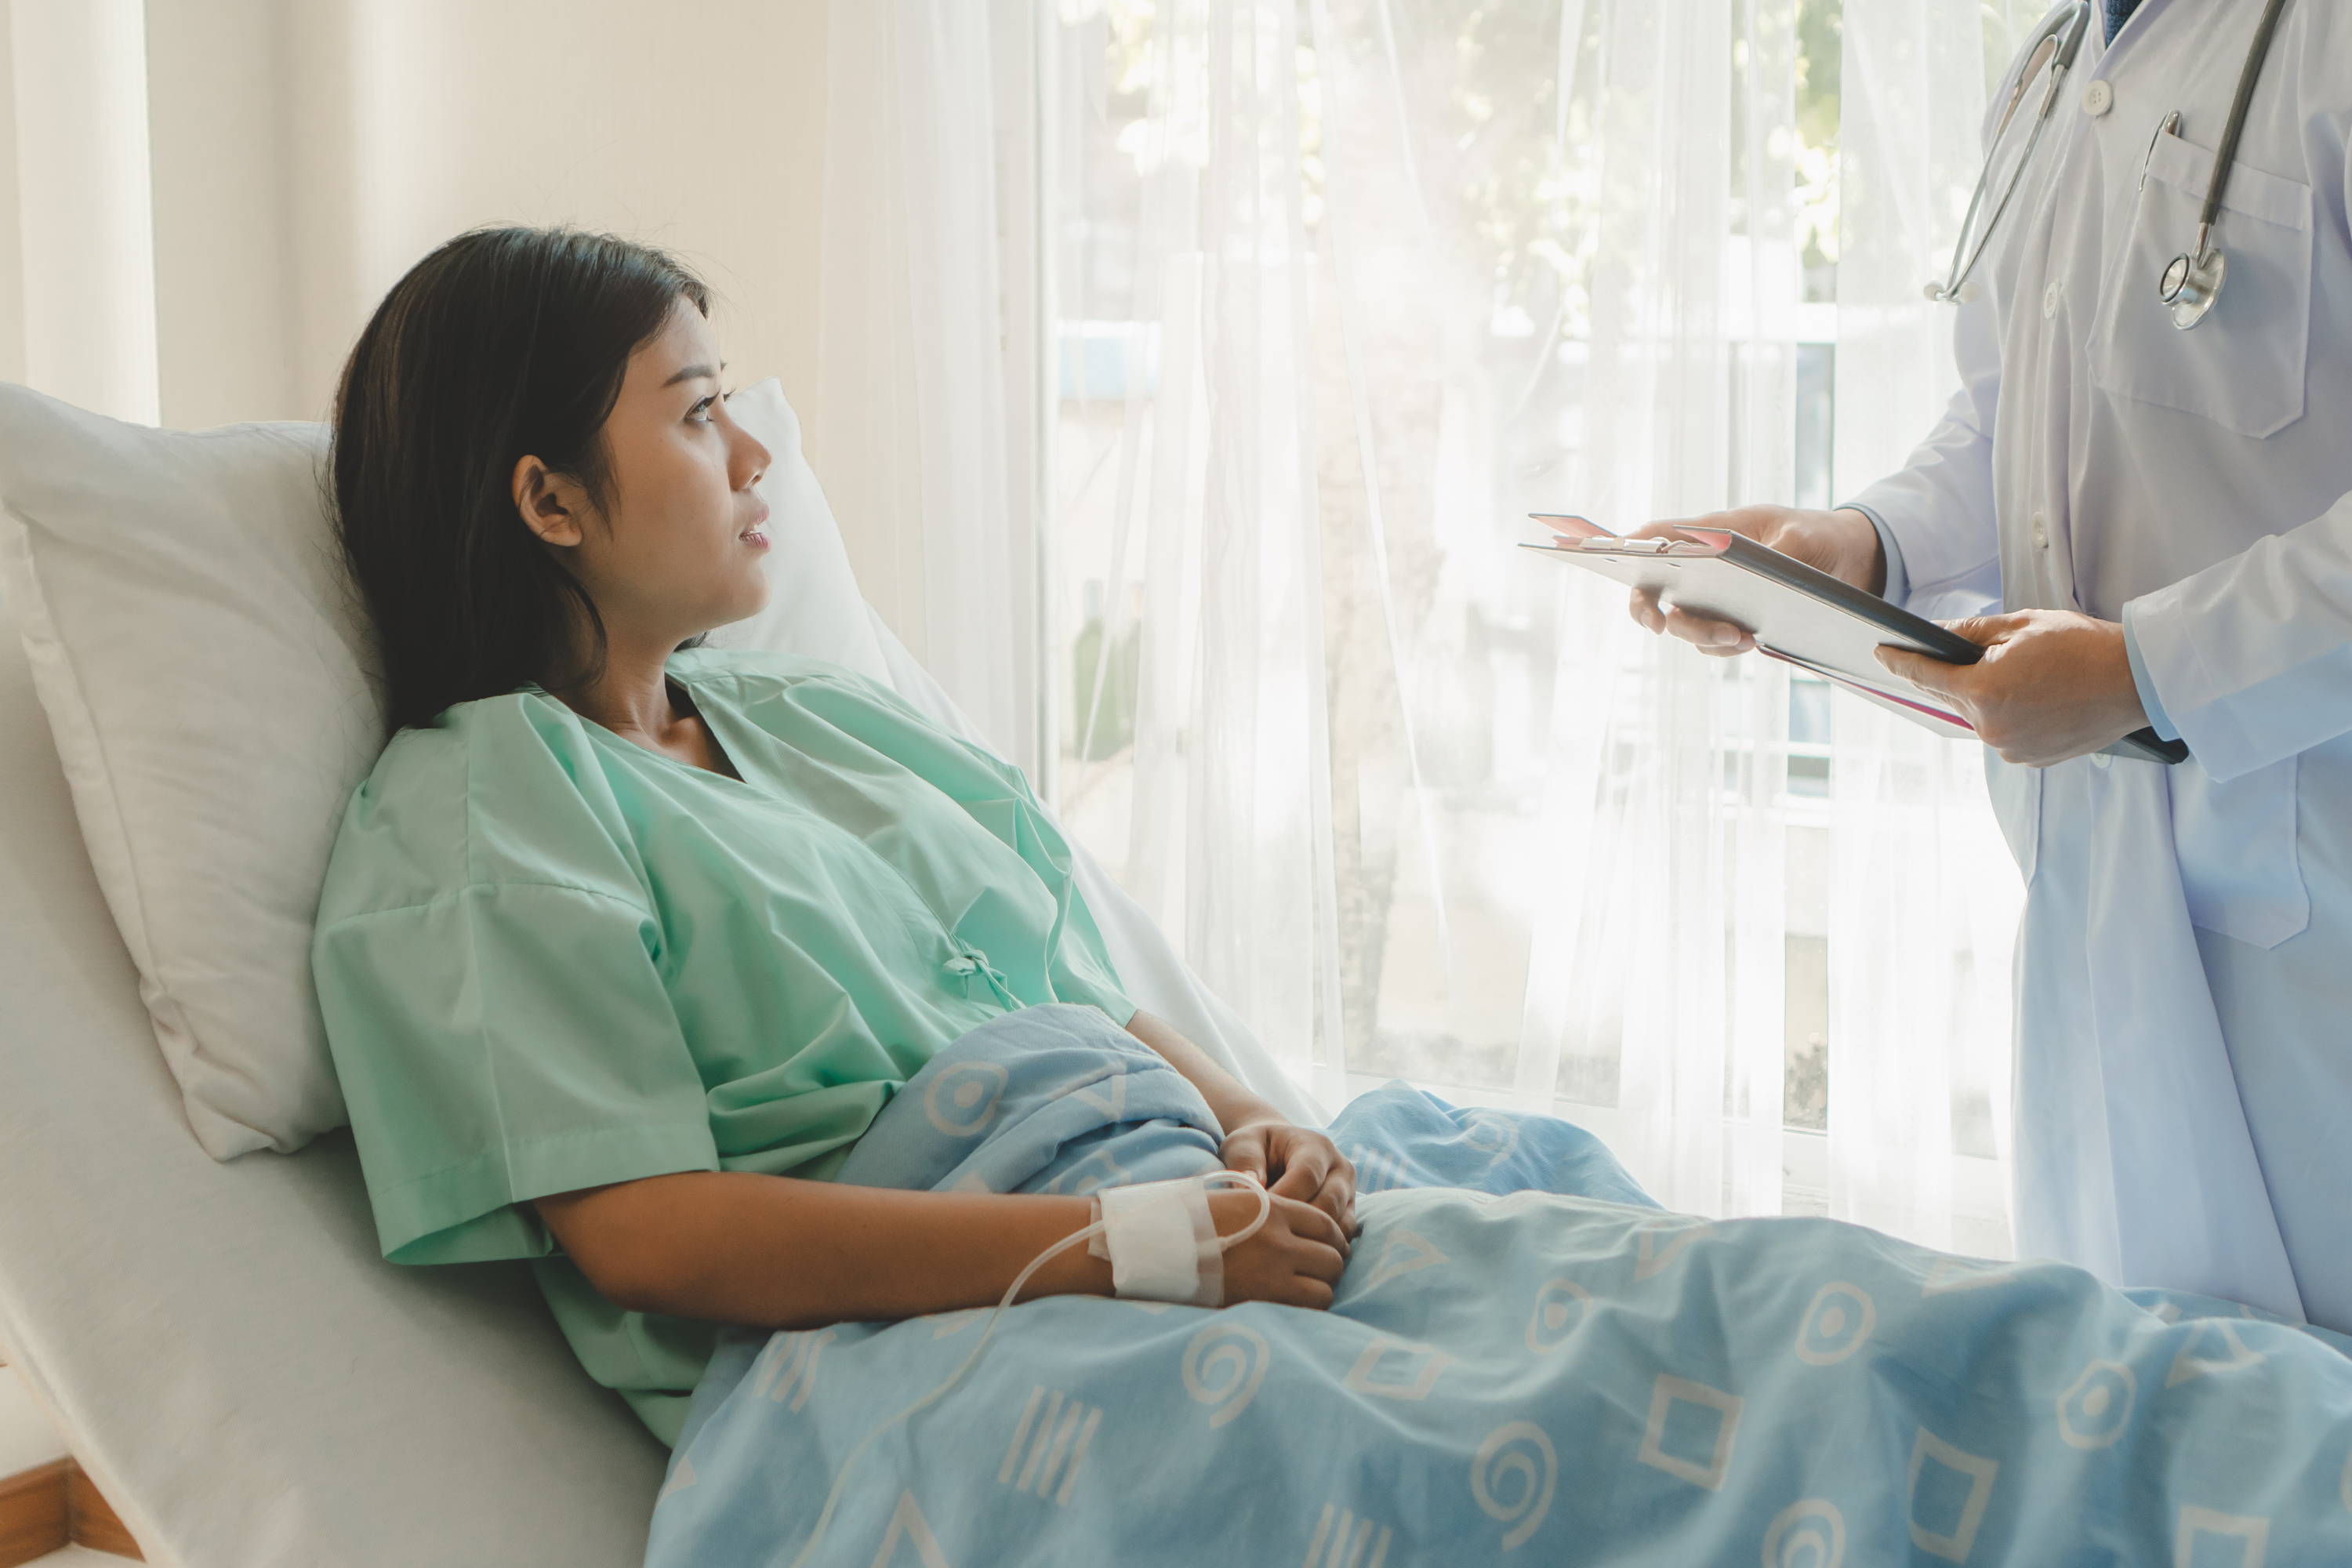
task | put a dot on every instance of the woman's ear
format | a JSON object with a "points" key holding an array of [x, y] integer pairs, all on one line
{"points": [[550, 503]]}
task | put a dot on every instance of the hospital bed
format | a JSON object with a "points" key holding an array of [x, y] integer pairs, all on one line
{"points": [[230, 1356], [252, 1386]]}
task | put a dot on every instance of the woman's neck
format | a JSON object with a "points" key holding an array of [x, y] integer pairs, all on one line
{"points": [[631, 694]]}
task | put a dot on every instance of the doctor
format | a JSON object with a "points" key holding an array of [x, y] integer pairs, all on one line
{"points": [[2159, 495]]}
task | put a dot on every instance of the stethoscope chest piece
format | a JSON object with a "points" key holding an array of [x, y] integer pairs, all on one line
{"points": [[2192, 284]]}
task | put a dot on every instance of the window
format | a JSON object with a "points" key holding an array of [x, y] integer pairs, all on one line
{"points": [[1340, 294]]}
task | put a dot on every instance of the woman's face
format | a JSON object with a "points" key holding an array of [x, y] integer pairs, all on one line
{"points": [[677, 546]]}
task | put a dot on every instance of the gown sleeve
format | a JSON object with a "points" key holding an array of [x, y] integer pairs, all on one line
{"points": [[500, 1043]]}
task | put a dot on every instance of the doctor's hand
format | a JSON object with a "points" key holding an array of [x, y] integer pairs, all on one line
{"points": [[1844, 543], [2053, 684], [1295, 1163]]}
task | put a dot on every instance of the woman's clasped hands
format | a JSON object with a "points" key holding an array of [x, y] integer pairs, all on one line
{"points": [[1296, 1257]]}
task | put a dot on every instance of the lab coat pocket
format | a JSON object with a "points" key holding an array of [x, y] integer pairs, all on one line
{"points": [[2242, 366], [2236, 844]]}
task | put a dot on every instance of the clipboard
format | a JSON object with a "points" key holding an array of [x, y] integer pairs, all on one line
{"points": [[1798, 614]]}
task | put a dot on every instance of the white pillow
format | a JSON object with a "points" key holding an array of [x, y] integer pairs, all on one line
{"points": [[211, 687]]}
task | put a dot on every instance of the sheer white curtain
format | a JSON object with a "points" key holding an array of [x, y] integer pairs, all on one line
{"points": [[1213, 656], [1337, 291], [1922, 1141], [911, 420]]}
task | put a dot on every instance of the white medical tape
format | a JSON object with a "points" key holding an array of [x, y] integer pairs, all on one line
{"points": [[1161, 1242]]}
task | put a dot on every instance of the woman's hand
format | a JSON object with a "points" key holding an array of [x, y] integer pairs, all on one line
{"points": [[1295, 1163], [1295, 1259]]}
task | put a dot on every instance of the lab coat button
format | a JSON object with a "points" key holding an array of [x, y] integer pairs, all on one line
{"points": [[2041, 533], [2098, 98], [2050, 301], [2101, 759]]}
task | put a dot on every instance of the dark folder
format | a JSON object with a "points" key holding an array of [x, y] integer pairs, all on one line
{"points": [[1797, 614]]}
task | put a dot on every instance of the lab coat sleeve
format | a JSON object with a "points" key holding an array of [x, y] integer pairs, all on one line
{"points": [[1934, 514], [1897, 587], [2251, 659], [2144, 683]]}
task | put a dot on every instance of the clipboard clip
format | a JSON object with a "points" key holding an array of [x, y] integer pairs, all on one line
{"points": [[1567, 525], [1680, 544], [1576, 533]]}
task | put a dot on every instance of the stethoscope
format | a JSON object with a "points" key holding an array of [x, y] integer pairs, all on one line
{"points": [[2193, 279]]}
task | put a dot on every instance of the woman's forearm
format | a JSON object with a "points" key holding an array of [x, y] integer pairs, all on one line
{"points": [[735, 1246], [1227, 1096]]}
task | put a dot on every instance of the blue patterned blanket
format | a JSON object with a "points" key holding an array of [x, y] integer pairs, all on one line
{"points": [[1528, 1362]]}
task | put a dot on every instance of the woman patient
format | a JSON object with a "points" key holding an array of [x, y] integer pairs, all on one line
{"points": [[624, 939]]}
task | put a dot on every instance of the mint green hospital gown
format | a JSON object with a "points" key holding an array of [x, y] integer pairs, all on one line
{"points": [[550, 958]]}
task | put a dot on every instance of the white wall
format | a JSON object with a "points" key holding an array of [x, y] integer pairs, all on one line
{"points": [[305, 153], [77, 83]]}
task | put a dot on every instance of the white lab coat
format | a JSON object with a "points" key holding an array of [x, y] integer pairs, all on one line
{"points": [[2184, 1030]]}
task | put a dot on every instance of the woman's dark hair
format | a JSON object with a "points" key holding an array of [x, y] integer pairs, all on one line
{"points": [[503, 342]]}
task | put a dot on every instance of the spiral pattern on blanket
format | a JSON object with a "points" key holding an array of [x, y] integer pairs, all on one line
{"points": [[1808, 1535], [1512, 1478], [1223, 1367]]}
